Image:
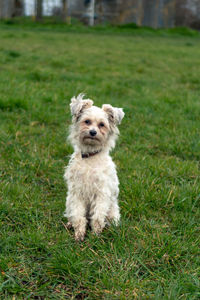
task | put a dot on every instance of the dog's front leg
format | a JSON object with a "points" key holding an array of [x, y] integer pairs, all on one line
{"points": [[98, 213], [113, 213], [76, 214], [79, 225]]}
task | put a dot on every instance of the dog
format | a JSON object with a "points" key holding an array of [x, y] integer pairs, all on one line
{"points": [[91, 174]]}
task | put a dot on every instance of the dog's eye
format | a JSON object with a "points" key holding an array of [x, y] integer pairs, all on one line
{"points": [[88, 122], [101, 124]]}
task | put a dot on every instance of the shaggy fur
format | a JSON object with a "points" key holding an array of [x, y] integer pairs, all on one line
{"points": [[91, 174]]}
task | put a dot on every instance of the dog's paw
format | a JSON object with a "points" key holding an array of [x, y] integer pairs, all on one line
{"points": [[69, 225], [97, 227], [79, 236]]}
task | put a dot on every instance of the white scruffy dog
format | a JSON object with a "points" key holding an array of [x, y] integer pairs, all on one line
{"points": [[91, 174]]}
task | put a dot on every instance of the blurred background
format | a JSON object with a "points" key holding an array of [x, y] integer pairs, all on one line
{"points": [[152, 13]]}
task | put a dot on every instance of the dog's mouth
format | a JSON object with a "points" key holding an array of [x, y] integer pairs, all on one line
{"points": [[91, 138], [94, 138]]}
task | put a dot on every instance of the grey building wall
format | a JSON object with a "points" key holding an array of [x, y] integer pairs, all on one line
{"points": [[11, 8]]}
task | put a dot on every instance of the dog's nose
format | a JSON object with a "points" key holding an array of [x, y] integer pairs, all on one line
{"points": [[93, 132]]}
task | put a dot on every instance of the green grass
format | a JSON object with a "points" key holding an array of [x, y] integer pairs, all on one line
{"points": [[156, 79], [56, 24]]}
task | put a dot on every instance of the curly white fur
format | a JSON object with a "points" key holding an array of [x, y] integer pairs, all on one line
{"points": [[91, 174]]}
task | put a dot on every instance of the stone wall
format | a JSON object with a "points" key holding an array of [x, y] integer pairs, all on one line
{"points": [[153, 13]]}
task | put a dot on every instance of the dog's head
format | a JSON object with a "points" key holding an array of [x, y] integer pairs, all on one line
{"points": [[93, 128]]}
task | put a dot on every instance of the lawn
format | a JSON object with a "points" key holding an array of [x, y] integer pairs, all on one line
{"points": [[153, 254]]}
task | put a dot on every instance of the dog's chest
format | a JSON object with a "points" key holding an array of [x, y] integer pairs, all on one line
{"points": [[88, 172], [92, 176]]}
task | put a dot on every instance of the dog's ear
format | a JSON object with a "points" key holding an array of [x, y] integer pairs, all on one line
{"points": [[115, 115], [78, 105]]}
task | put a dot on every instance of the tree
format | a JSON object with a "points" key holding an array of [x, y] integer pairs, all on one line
{"points": [[64, 10], [39, 10]]}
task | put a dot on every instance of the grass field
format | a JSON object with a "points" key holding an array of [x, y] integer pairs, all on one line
{"points": [[156, 79]]}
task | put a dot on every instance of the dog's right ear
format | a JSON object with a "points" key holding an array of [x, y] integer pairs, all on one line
{"points": [[78, 105]]}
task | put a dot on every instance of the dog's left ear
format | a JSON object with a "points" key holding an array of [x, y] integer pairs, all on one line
{"points": [[115, 114]]}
